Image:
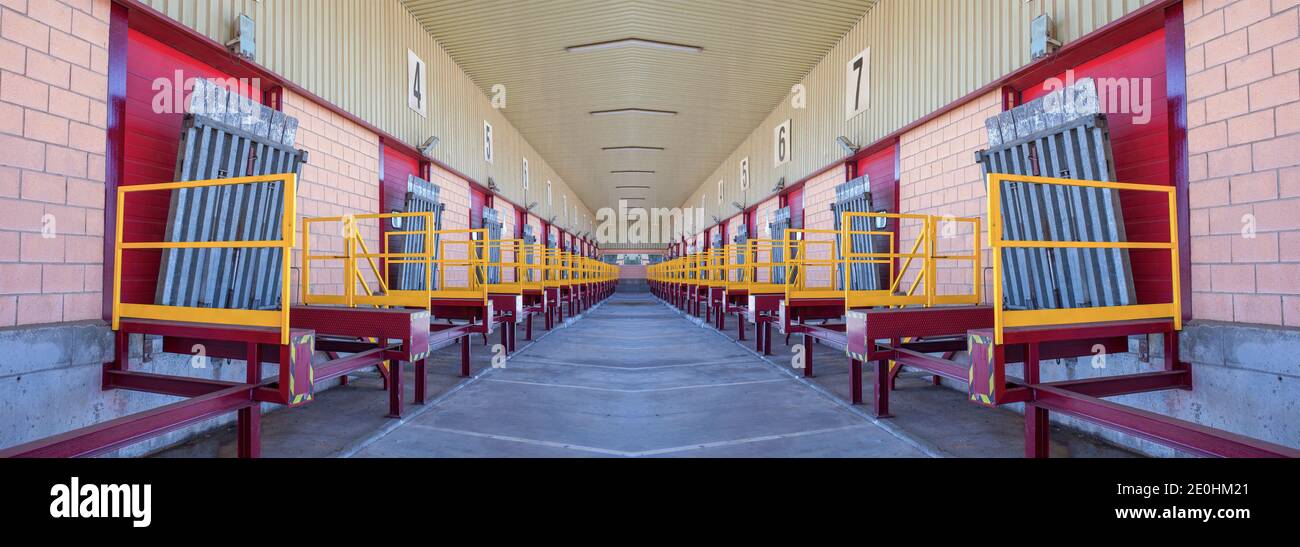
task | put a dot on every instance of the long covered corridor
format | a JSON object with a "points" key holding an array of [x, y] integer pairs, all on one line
{"points": [[608, 386]]}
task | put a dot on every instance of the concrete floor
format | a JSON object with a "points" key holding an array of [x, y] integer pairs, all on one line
{"points": [[634, 378]]}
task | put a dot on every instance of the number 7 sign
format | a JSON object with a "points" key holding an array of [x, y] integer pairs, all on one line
{"points": [[857, 85]]}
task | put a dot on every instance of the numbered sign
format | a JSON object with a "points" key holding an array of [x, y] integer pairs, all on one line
{"points": [[781, 144], [488, 142], [525, 178], [744, 174], [417, 84], [857, 85]]}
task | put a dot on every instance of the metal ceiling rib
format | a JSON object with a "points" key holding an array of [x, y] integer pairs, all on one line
{"points": [[754, 51]]}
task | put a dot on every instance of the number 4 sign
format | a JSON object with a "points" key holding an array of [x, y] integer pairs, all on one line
{"points": [[416, 84], [857, 85]]}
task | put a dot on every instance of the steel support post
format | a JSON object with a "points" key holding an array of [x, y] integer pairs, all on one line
{"points": [[395, 389], [808, 344], [250, 418], [881, 395], [1037, 432], [465, 342], [421, 382], [855, 381]]}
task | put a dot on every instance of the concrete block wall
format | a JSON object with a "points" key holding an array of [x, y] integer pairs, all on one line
{"points": [[1243, 80], [53, 97]]}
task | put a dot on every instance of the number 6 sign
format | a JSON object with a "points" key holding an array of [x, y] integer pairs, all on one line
{"points": [[781, 144]]}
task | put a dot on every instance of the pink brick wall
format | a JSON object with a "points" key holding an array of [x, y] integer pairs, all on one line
{"points": [[53, 97], [1243, 66], [536, 223], [818, 196], [940, 177], [454, 192], [340, 178]]}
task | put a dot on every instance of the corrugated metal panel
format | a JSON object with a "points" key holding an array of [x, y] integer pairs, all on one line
{"points": [[353, 53], [925, 55]]}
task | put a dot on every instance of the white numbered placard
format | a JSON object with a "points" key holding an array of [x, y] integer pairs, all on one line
{"points": [[744, 174], [781, 144], [417, 84], [857, 85]]}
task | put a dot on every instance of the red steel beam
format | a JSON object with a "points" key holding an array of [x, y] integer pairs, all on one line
{"points": [[1113, 386], [929, 363], [113, 434], [1179, 434], [166, 385], [339, 367]]}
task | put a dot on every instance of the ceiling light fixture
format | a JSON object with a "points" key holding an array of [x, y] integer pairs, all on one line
{"points": [[637, 171], [625, 111], [645, 148], [631, 187], [633, 42]]}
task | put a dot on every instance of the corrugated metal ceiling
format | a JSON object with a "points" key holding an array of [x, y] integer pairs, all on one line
{"points": [[753, 52]]}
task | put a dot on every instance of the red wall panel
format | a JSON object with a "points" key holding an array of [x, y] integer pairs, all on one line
{"points": [[882, 167], [149, 156], [398, 167], [1141, 152]]}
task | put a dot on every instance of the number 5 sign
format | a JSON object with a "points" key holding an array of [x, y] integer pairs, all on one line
{"points": [[857, 85], [781, 144]]}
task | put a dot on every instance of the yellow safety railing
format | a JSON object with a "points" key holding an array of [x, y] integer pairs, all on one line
{"points": [[353, 244], [456, 272], [811, 264], [1004, 318], [764, 270], [509, 264], [715, 267], [923, 288], [220, 316], [734, 267], [568, 265], [554, 268], [534, 269]]}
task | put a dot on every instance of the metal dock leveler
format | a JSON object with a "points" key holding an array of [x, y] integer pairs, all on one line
{"points": [[226, 135], [927, 339]]}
